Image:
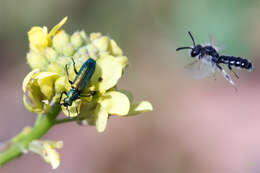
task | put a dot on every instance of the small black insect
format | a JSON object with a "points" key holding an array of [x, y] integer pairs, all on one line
{"points": [[208, 59]]}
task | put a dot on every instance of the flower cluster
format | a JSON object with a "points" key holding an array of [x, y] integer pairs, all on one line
{"points": [[51, 51]]}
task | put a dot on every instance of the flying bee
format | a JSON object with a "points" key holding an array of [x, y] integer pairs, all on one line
{"points": [[208, 59]]}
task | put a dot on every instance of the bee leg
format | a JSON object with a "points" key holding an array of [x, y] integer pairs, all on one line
{"points": [[213, 70], [66, 69], [74, 66], [226, 76], [229, 67], [63, 92]]}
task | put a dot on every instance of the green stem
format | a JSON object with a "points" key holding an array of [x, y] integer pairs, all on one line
{"points": [[67, 120], [41, 127]]}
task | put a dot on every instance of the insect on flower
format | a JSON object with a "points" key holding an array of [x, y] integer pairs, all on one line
{"points": [[208, 58], [79, 83]]}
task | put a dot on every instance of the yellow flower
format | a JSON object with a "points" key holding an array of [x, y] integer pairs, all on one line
{"points": [[38, 89], [51, 52], [46, 149], [39, 37]]}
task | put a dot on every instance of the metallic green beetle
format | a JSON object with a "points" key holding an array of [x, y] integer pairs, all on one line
{"points": [[79, 83]]}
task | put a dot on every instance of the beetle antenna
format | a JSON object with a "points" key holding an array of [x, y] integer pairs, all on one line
{"points": [[180, 48], [191, 38]]}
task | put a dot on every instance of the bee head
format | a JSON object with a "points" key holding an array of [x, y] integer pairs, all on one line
{"points": [[195, 51]]}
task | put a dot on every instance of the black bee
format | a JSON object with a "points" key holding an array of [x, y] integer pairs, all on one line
{"points": [[208, 59]]}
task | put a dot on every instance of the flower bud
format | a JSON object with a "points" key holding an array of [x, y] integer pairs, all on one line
{"points": [[68, 50], [36, 60], [76, 40], [60, 40]]}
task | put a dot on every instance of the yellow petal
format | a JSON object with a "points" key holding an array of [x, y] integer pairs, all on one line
{"points": [[46, 82], [94, 36], [115, 103], [38, 36], [32, 95], [56, 28], [115, 49], [51, 156], [28, 79], [55, 68], [32, 108], [141, 107], [101, 117], [123, 60], [46, 149], [60, 84], [109, 71]]}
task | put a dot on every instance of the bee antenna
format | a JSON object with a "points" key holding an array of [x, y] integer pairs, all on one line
{"points": [[191, 38], [180, 48]]}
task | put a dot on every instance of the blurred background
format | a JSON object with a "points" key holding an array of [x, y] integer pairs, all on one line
{"points": [[198, 126]]}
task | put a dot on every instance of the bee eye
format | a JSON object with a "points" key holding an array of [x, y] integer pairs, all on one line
{"points": [[194, 53]]}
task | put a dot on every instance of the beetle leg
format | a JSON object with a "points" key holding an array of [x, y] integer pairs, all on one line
{"points": [[92, 93], [74, 66], [63, 92], [66, 69]]}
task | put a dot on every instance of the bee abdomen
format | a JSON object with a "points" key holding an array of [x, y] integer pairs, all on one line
{"points": [[236, 61]]}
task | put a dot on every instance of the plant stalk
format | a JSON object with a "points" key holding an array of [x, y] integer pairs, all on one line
{"points": [[44, 123]]}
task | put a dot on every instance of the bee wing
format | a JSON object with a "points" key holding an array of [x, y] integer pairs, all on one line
{"points": [[200, 69], [212, 39], [213, 43]]}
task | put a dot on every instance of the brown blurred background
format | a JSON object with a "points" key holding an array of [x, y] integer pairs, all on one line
{"points": [[197, 126]]}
